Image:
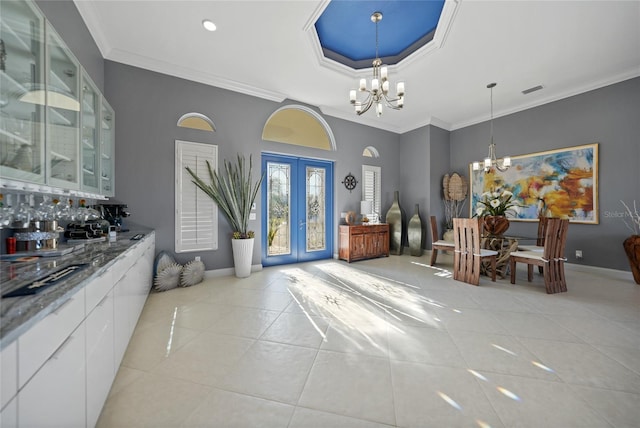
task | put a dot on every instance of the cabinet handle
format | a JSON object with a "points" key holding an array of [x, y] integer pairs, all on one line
{"points": [[64, 344], [104, 299]]}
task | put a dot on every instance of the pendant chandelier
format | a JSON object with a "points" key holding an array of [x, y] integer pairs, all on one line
{"points": [[491, 161], [378, 91]]}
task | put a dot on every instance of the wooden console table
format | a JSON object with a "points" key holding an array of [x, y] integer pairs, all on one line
{"points": [[363, 242]]}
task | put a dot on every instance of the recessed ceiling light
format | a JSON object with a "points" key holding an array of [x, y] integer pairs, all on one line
{"points": [[209, 25]]}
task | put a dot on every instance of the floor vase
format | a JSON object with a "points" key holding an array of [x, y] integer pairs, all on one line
{"points": [[414, 232], [394, 219], [632, 248], [242, 256]]}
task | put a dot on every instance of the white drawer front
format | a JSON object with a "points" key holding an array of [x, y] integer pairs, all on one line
{"points": [[8, 373], [97, 289], [36, 345]]}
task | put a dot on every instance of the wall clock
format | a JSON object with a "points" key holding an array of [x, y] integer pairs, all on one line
{"points": [[350, 182]]}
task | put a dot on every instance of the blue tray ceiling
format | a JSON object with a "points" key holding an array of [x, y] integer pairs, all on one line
{"points": [[348, 35]]}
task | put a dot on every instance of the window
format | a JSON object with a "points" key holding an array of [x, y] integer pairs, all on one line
{"points": [[196, 226], [371, 189]]}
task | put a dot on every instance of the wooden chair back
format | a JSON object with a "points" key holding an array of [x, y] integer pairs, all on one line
{"points": [[436, 243], [552, 259], [467, 250], [434, 229], [542, 227], [555, 238]]}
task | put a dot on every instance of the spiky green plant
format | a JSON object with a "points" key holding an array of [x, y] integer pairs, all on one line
{"points": [[234, 192]]}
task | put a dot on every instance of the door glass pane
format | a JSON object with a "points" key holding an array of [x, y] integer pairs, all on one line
{"points": [[315, 209], [278, 212]]}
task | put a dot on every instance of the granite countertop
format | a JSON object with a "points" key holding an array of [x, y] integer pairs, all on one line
{"points": [[18, 314]]}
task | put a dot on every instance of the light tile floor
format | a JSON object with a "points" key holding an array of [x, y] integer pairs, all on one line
{"points": [[385, 342]]}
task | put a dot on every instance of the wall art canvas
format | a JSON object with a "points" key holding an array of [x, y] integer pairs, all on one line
{"points": [[557, 183]]}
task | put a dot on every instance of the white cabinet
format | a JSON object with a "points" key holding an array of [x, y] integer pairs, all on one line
{"points": [[8, 373], [39, 343], [21, 96], [53, 115], [89, 141], [60, 371], [107, 149], [101, 366], [55, 396], [9, 415]]}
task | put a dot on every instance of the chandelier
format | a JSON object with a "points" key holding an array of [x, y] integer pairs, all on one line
{"points": [[378, 91], [491, 161]]}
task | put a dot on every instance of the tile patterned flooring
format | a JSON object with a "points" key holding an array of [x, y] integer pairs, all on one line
{"points": [[390, 342]]}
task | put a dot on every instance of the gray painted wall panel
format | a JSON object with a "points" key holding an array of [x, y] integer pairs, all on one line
{"points": [[148, 105]]}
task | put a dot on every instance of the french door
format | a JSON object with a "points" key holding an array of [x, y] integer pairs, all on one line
{"points": [[297, 221]]}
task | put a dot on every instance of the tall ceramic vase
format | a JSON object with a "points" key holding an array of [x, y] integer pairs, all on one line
{"points": [[414, 232], [394, 219], [632, 248], [242, 256]]}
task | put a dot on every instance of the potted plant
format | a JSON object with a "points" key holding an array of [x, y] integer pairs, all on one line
{"points": [[234, 191], [632, 243], [495, 207]]}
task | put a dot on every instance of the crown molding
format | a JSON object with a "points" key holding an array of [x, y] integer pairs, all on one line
{"points": [[91, 20], [171, 69], [578, 90]]}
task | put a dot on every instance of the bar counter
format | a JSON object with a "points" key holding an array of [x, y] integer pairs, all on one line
{"points": [[18, 314]]}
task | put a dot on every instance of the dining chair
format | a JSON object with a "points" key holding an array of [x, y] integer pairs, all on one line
{"points": [[551, 259], [437, 244], [542, 227], [468, 253], [539, 247]]}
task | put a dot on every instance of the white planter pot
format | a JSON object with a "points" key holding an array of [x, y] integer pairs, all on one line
{"points": [[242, 256]]}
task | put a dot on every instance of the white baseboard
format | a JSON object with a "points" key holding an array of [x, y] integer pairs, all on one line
{"points": [[216, 273]]}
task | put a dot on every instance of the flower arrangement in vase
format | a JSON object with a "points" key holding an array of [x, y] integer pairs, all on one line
{"points": [[494, 210]]}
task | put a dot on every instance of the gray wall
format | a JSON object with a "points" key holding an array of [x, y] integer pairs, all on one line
{"points": [[148, 105], [608, 116]]}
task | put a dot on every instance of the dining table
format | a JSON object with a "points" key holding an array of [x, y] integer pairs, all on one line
{"points": [[504, 245]]}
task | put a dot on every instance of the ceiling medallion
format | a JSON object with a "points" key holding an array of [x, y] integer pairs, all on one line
{"points": [[378, 91]]}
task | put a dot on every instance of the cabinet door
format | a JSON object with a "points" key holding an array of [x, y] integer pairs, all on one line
{"points": [[90, 144], [100, 357], [55, 396], [358, 248], [122, 316], [63, 113], [107, 150], [22, 96]]}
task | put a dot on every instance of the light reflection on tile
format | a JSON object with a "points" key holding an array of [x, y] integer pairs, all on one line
{"points": [[382, 343]]}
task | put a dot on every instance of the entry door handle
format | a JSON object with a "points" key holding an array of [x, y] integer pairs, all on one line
{"points": [[301, 224]]}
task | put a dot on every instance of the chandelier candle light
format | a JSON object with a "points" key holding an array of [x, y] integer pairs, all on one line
{"points": [[491, 161], [378, 93]]}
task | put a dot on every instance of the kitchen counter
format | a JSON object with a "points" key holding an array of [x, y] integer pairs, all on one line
{"points": [[18, 314]]}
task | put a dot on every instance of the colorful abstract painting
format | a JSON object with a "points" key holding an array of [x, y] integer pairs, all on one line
{"points": [[558, 183]]}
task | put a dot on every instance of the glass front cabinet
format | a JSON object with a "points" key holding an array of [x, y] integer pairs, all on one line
{"points": [[21, 92], [63, 114], [107, 150], [56, 128], [89, 142]]}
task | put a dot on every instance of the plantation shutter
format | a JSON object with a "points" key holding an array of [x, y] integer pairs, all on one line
{"points": [[371, 187], [196, 227]]}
